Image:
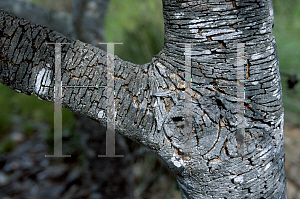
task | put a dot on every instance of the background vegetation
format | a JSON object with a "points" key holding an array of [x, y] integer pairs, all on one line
{"points": [[287, 34]]}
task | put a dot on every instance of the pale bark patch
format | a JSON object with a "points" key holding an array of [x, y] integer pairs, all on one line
{"points": [[38, 80], [43, 80], [101, 114]]}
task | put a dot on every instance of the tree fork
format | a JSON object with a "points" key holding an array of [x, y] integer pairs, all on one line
{"points": [[150, 97]]}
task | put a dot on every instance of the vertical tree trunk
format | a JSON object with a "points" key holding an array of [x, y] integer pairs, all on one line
{"points": [[212, 168]]}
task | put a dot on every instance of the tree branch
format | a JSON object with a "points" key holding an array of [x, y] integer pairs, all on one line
{"points": [[27, 66]]}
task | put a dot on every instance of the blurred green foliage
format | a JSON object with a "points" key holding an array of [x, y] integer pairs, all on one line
{"points": [[287, 35], [7, 145], [139, 25]]}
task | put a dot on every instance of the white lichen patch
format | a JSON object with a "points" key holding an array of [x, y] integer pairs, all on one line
{"points": [[222, 7], [218, 8], [43, 81], [38, 81], [101, 114], [276, 93], [200, 25], [239, 180], [177, 161], [254, 83], [148, 112], [143, 105], [194, 21], [203, 52], [256, 56], [229, 36], [178, 15], [271, 11], [217, 31], [46, 82], [194, 30], [268, 166], [263, 28], [270, 49], [46, 79]]}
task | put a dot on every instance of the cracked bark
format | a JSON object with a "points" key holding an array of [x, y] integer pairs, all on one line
{"points": [[150, 97], [86, 20]]}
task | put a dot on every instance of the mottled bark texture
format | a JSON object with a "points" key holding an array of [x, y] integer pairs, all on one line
{"points": [[150, 97]]}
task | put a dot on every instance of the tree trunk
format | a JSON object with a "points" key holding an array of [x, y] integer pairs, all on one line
{"points": [[209, 161]]}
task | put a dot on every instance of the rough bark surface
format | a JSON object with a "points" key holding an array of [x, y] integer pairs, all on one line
{"points": [[106, 176], [213, 170], [150, 97]]}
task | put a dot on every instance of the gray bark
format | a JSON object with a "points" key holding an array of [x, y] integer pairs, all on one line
{"points": [[86, 23], [150, 97]]}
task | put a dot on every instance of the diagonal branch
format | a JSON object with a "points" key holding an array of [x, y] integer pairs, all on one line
{"points": [[27, 66]]}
